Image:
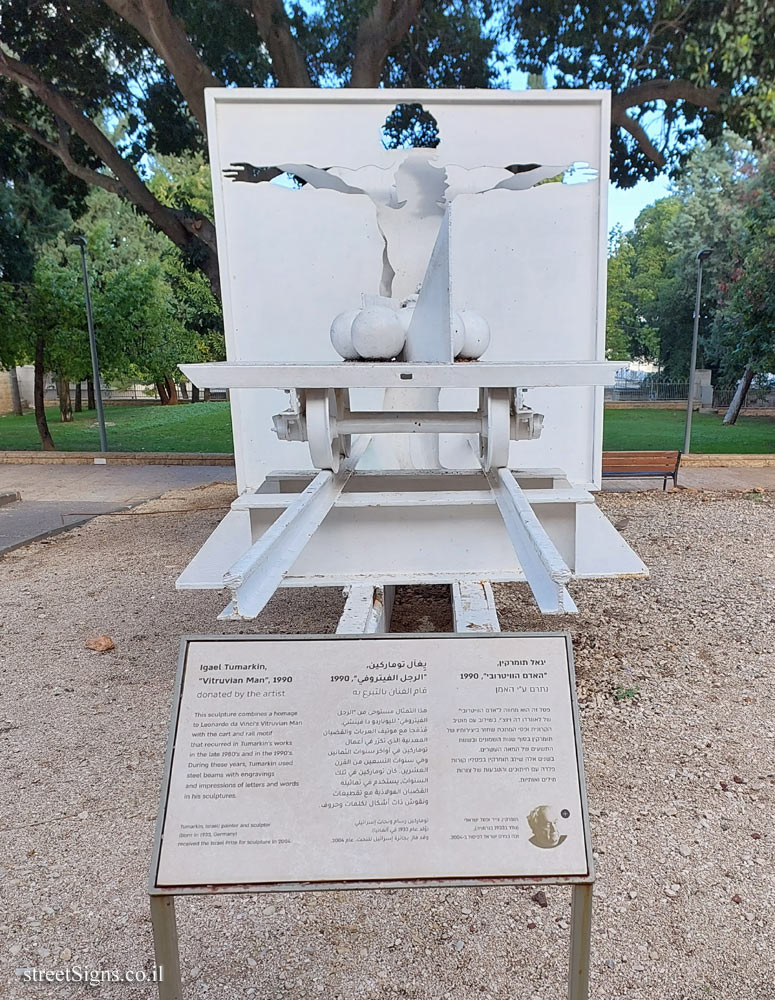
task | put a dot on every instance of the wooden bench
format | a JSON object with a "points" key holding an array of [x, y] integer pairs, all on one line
{"points": [[642, 465]]}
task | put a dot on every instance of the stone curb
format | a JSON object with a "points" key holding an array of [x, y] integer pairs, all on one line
{"points": [[115, 458], [9, 496], [697, 461]]}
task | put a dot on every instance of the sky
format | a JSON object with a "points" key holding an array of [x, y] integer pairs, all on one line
{"points": [[624, 206]]}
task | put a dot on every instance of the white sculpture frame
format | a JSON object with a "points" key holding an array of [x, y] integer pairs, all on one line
{"points": [[281, 125], [292, 260]]}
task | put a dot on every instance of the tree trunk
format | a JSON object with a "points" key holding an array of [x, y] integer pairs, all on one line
{"points": [[172, 391], [161, 388], [65, 403], [16, 396], [183, 391], [90, 402], [78, 398], [194, 393], [46, 441], [739, 397], [207, 395]]}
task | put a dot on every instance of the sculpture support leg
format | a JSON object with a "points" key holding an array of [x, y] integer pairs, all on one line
{"points": [[165, 944], [580, 941], [367, 610]]}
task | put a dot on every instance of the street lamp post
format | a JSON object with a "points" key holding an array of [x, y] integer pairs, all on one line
{"points": [[702, 255], [95, 365]]}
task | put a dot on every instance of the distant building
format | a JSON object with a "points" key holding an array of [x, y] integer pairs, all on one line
{"points": [[24, 375]]}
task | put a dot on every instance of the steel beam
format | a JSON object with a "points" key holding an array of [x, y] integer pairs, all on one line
{"points": [[255, 577], [473, 607], [546, 571], [413, 498], [367, 610]]}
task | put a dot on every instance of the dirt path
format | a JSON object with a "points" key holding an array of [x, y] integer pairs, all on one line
{"points": [[676, 682]]}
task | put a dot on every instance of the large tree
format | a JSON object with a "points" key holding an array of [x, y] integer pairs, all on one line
{"points": [[720, 202], [677, 69], [32, 212], [69, 66], [746, 315]]}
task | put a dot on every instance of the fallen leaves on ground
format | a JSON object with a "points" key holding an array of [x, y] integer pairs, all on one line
{"points": [[100, 644]]}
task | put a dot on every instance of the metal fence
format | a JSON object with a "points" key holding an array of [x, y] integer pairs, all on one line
{"points": [[650, 392], [758, 398], [133, 394]]}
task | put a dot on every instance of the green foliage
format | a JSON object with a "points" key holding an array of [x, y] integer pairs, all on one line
{"points": [[621, 316], [13, 326], [410, 126], [450, 45], [745, 327], [645, 312], [29, 216], [653, 268], [183, 182], [151, 311]]}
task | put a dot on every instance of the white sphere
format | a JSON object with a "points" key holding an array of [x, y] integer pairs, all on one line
{"points": [[378, 333], [458, 334], [341, 335], [477, 334]]}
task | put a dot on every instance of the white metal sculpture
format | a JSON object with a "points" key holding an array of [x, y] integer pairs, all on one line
{"points": [[402, 457]]}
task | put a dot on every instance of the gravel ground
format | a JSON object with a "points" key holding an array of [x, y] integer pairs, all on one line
{"points": [[675, 679]]}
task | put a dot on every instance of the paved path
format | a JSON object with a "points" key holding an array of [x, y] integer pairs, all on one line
{"points": [[56, 497]]}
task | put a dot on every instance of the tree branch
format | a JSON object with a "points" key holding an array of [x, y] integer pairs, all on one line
{"points": [[669, 90], [154, 20], [274, 26], [62, 151], [379, 32], [659, 90], [638, 133], [659, 27], [180, 228]]}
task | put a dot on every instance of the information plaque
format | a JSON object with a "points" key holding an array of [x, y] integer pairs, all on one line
{"points": [[363, 760]]}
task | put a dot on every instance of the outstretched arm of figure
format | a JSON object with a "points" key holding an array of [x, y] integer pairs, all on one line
{"points": [[251, 175], [527, 175], [318, 177], [515, 177]]}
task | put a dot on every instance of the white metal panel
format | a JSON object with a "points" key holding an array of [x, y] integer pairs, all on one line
{"points": [[290, 260], [535, 280]]}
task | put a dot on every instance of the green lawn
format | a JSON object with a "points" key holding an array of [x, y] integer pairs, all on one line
{"points": [[655, 430], [207, 427], [186, 427]]}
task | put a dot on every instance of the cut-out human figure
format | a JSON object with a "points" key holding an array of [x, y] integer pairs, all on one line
{"points": [[410, 197]]}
